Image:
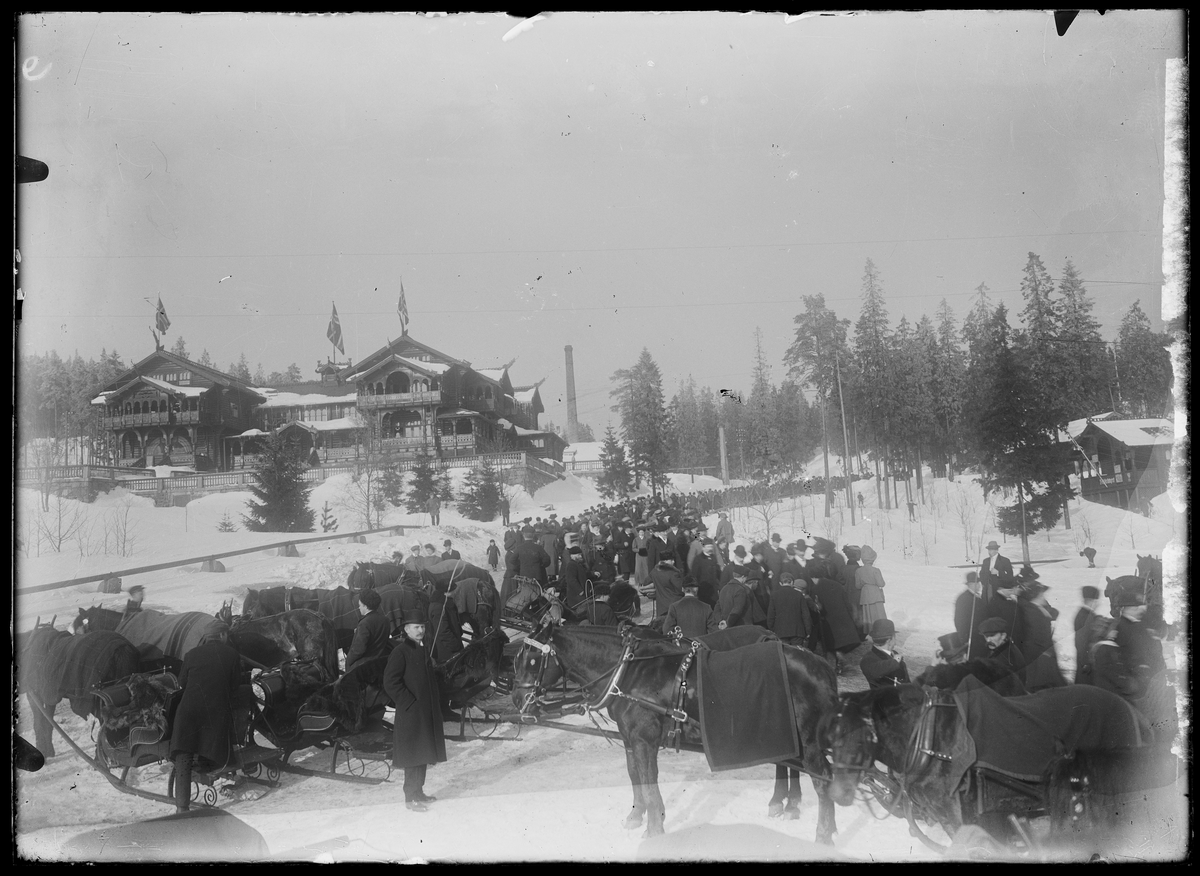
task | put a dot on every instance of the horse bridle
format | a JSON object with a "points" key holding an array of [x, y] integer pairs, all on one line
{"points": [[865, 761]]}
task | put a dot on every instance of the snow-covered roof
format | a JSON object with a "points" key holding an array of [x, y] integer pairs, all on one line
{"points": [[253, 433], [461, 412], [583, 451], [496, 374], [186, 391], [341, 424], [1075, 427], [525, 396], [276, 399], [415, 364], [1139, 433]]}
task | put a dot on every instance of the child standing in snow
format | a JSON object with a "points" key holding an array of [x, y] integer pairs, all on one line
{"points": [[493, 555]]}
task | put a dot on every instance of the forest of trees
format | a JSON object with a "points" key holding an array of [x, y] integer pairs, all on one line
{"points": [[983, 394]]}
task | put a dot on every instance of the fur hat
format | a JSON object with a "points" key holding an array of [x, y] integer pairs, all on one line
{"points": [[787, 578], [370, 598], [1090, 592]]}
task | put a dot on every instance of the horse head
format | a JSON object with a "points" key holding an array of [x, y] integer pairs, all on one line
{"points": [[79, 624], [225, 613], [537, 669]]}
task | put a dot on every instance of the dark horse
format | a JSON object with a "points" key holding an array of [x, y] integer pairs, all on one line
{"points": [[372, 576], [162, 639], [300, 635], [647, 669], [987, 771], [54, 664], [339, 606]]}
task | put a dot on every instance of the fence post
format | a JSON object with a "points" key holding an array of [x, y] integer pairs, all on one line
{"points": [[211, 565], [288, 550], [110, 585]]}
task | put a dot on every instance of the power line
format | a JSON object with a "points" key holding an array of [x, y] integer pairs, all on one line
{"points": [[699, 246]]}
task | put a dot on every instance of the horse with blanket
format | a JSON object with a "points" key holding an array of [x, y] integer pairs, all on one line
{"points": [[53, 664], [741, 704], [162, 639], [972, 756]]}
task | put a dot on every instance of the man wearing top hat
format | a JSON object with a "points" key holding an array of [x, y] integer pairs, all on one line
{"points": [[574, 579], [689, 614], [949, 668], [418, 738], [994, 570], [883, 665]]}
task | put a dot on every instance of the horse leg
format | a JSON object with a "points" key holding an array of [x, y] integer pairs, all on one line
{"points": [[635, 816], [775, 807], [43, 732], [646, 752]]}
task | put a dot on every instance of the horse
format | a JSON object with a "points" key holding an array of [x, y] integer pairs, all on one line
{"points": [[1001, 762], [54, 664], [162, 639], [642, 673], [339, 606], [372, 576], [299, 634]]}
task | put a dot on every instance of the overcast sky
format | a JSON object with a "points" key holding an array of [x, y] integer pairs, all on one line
{"points": [[609, 181]]}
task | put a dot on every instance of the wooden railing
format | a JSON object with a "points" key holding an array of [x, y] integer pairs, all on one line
{"points": [[400, 399], [159, 418]]}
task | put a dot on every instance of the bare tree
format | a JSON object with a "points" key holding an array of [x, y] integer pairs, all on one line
{"points": [[60, 521], [120, 528]]}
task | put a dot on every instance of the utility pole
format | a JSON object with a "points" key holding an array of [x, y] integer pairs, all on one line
{"points": [[724, 455], [845, 439]]}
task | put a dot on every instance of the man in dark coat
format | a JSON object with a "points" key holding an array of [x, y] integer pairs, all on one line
{"points": [[574, 580], [883, 665], [657, 545], [733, 602], [947, 672], [969, 611], [202, 730], [689, 614], [774, 556], [668, 584], [532, 559], [1084, 621], [434, 507], [1128, 661], [596, 611], [766, 584], [707, 573], [448, 553], [737, 561], [623, 539], [790, 615], [1001, 651], [418, 738], [839, 632], [136, 594], [505, 510], [372, 636], [994, 571], [1003, 605]]}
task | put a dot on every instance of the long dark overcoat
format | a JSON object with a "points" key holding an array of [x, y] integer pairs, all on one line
{"points": [[203, 721], [409, 681], [838, 628], [532, 561]]}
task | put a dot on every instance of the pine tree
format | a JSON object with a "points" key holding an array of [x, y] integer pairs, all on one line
{"points": [[947, 380], [616, 480], [293, 374], [259, 378], [179, 348], [688, 444], [329, 523], [206, 360], [643, 412], [1143, 372], [226, 524], [391, 485], [427, 480], [481, 492], [1083, 355], [1016, 442], [241, 369], [281, 490]]}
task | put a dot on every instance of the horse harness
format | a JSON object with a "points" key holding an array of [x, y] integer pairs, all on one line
{"points": [[676, 712]]}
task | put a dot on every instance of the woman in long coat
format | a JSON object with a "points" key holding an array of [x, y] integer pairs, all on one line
{"points": [[203, 728], [839, 633], [418, 738], [641, 568], [1037, 642], [869, 581]]}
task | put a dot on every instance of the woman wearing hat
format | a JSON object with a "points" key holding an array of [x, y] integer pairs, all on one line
{"points": [[641, 545], [1037, 640], [418, 738], [869, 581]]}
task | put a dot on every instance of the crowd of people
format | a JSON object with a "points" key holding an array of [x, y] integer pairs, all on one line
{"points": [[807, 592]]}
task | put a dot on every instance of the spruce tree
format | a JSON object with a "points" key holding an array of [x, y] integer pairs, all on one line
{"points": [[1016, 442], [391, 485], [1083, 355], [481, 492], [616, 480], [640, 403], [281, 490], [329, 523], [1143, 373], [427, 480], [179, 348]]}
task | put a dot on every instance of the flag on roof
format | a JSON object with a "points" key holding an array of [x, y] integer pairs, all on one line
{"points": [[334, 332], [402, 309], [160, 317]]}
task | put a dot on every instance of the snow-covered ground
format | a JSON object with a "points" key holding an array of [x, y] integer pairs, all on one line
{"points": [[551, 795]]}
